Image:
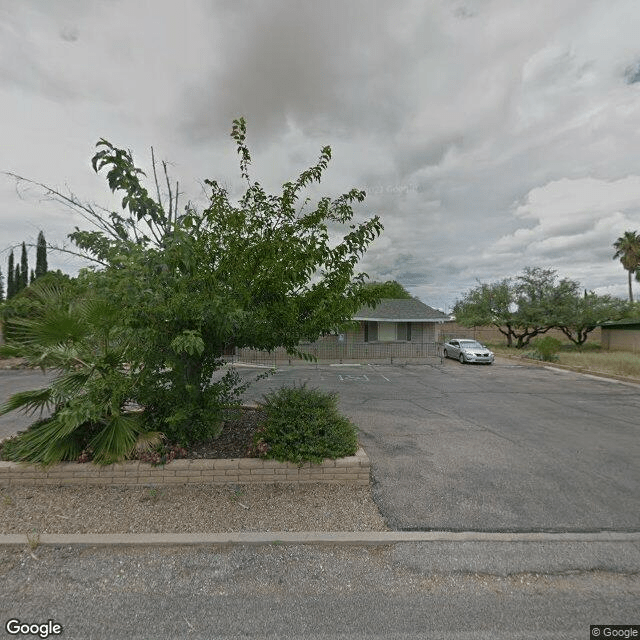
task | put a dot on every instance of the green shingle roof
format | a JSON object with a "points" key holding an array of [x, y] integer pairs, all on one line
{"points": [[397, 310]]}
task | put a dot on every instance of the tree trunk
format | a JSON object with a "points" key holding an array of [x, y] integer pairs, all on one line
{"points": [[630, 289]]}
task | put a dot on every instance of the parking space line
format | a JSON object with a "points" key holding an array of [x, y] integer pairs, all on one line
{"points": [[353, 378], [381, 375]]}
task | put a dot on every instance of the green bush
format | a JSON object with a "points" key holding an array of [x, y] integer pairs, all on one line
{"points": [[548, 348], [304, 425]]}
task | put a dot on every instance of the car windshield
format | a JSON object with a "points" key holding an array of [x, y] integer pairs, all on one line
{"points": [[470, 344]]}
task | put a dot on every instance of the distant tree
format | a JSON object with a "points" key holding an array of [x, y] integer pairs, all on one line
{"points": [[1, 287], [32, 277], [489, 304], [17, 280], [521, 308], [24, 268], [389, 289], [11, 288], [627, 249], [41, 256], [578, 316]]}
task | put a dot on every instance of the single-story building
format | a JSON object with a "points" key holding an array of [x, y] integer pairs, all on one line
{"points": [[621, 335], [395, 329], [400, 321]]}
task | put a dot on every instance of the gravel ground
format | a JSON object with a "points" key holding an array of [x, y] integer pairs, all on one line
{"points": [[188, 509], [192, 508]]}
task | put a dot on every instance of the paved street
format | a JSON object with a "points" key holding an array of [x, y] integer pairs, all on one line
{"points": [[13, 381], [429, 590], [506, 447]]}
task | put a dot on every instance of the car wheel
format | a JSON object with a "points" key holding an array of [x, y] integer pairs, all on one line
{"points": [[461, 358], [446, 355]]}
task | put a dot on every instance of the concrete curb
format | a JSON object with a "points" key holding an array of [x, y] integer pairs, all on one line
{"points": [[305, 537]]}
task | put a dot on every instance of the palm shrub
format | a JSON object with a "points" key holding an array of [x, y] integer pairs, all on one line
{"points": [[82, 341], [304, 425]]}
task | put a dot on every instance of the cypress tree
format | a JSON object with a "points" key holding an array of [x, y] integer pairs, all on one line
{"points": [[17, 280], [1, 287], [24, 267], [41, 256], [11, 287], [32, 277]]}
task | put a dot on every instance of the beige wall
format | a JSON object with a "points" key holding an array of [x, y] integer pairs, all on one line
{"points": [[491, 334], [618, 339]]}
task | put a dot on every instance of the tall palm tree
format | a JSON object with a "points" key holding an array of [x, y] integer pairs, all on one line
{"points": [[627, 249]]}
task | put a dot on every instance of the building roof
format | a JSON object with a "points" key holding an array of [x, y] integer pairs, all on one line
{"points": [[397, 310], [623, 324]]}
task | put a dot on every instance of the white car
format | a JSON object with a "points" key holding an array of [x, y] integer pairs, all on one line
{"points": [[467, 351]]}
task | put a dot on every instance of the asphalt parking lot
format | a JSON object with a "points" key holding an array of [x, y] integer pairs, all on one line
{"points": [[455, 447], [507, 447]]}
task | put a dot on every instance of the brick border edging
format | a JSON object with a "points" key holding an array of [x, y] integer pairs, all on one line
{"points": [[350, 470]]}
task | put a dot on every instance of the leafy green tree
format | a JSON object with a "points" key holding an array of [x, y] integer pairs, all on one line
{"points": [[627, 249], [521, 308], [579, 315], [189, 285], [389, 289], [489, 305], [11, 288], [1, 287], [24, 268], [41, 256]]}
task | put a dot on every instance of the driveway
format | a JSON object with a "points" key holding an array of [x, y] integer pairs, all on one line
{"points": [[508, 447]]}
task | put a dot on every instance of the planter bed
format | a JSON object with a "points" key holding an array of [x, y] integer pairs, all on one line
{"points": [[349, 470]]}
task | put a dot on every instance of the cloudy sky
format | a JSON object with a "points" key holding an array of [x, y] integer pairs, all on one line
{"points": [[490, 135]]}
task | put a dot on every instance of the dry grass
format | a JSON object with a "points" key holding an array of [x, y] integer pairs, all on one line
{"points": [[620, 363], [591, 358]]}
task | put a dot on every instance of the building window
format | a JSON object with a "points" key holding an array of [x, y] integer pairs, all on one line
{"points": [[403, 331], [370, 331]]}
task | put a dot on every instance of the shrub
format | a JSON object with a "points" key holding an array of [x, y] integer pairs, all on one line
{"points": [[304, 425], [548, 348], [90, 393]]}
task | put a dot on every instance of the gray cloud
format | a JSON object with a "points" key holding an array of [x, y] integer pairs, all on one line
{"points": [[489, 136], [632, 73]]}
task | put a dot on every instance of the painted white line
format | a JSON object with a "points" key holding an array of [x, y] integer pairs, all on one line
{"points": [[252, 366], [348, 364], [382, 376]]}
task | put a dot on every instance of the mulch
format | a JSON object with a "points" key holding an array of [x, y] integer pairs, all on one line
{"points": [[235, 439]]}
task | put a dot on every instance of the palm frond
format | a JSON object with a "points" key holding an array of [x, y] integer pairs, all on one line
{"points": [[46, 443], [100, 314], [149, 440], [117, 440], [52, 327], [10, 351], [70, 384], [28, 401]]}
